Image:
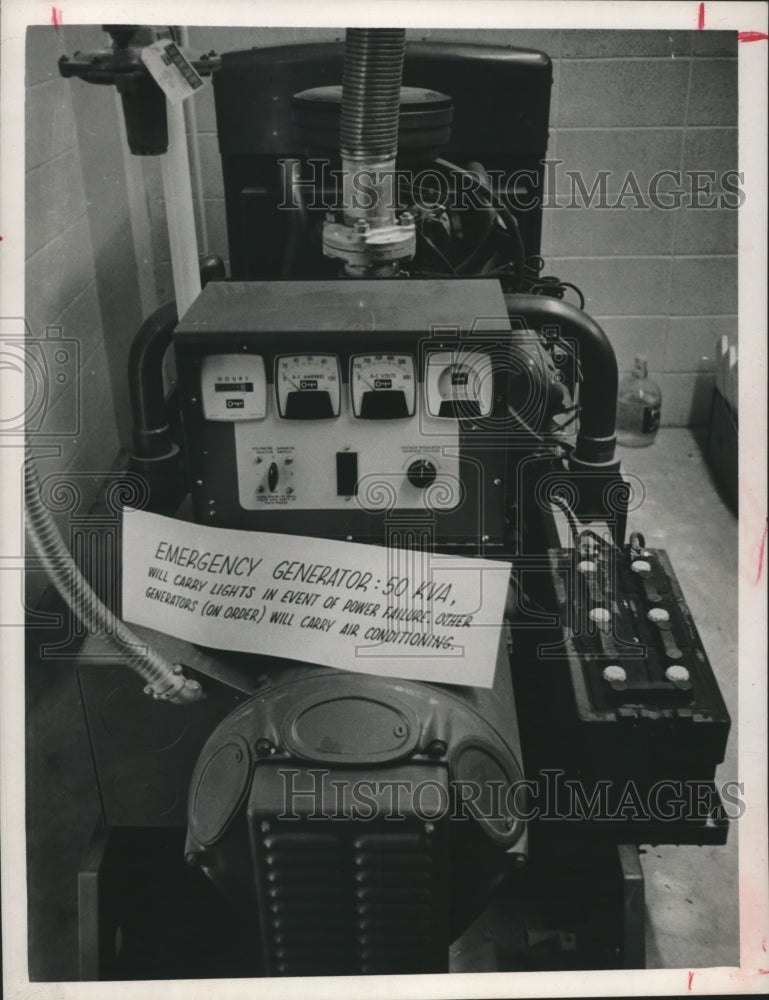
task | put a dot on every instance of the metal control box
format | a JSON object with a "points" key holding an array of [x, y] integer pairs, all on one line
{"points": [[379, 405]]}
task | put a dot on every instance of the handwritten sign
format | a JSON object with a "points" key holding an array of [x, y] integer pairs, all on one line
{"points": [[365, 608]]}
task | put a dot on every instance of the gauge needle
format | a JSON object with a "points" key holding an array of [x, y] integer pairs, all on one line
{"points": [[294, 384], [367, 382]]}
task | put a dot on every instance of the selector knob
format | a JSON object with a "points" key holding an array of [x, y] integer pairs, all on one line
{"points": [[272, 476], [421, 473]]}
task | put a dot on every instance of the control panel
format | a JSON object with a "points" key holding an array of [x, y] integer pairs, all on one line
{"points": [[380, 439], [291, 406]]}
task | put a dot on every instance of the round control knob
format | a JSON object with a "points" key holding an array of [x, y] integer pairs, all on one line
{"points": [[677, 674], [421, 473], [272, 476], [658, 615], [614, 674]]}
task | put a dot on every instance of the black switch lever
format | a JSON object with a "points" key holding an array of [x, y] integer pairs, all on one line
{"points": [[347, 473]]}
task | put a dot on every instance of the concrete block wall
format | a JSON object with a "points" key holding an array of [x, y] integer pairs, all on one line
{"points": [[661, 281], [81, 264]]}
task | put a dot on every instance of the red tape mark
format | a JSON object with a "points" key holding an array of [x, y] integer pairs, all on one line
{"points": [[701, 18], [761, 549], [55, 18], [691, 974], [751, 36]]}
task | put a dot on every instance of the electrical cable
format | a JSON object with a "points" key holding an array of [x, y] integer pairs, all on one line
{"points": [[438, 253], [511, 223], [559, 501]]}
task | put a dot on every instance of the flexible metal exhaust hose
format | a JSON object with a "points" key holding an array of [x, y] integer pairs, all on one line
{"points": [[371, 90], [164, 679]]}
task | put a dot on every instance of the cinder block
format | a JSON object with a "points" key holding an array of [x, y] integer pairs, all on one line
{"points": [[644, 152], [622, 231], [54, 199], [704, 286], [691, 341], [614, 92], [632, 335], [619, 286], [44, 47], [713, 92], [57, 274], [710, 149], [706, 230], [715, 43], [597, 44], [50, 124]]}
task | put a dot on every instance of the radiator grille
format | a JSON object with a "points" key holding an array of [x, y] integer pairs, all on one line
{"points": [[340, 901]]}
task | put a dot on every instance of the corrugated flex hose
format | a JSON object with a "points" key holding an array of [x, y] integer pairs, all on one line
{"points": [[164, 679], [371, 89]]}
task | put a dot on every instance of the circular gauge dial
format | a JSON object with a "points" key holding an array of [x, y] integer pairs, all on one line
{"points": [[459, 385], [308, 386], [459, 382], [383, 386]]}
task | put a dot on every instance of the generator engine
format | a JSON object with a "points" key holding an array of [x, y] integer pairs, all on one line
{"points": [[388, 365]]}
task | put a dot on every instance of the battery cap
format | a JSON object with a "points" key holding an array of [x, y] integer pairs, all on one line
{"points": [[641, 566], [677, 674], [658, 615], [614, 674], [586, 566], [600, 615]]}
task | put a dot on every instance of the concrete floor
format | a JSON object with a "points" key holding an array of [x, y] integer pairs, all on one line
{"points": [[691, 892]]}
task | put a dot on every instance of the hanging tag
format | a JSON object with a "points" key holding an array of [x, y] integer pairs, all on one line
{"points": [[171, 70]]}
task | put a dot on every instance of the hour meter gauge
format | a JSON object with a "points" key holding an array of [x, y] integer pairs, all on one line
{"points": [[459, 384], [383, 386], [308, 386], [233, 387]]}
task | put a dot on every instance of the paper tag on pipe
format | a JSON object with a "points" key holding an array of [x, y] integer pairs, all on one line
{"points": [[171, 70], [364, 608]]}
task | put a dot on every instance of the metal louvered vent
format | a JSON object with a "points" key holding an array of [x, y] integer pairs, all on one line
{"points": [[338, 901], [395, 889]]}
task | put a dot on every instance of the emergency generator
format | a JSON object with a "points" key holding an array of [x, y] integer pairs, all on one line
{"points": [[388, 366]]}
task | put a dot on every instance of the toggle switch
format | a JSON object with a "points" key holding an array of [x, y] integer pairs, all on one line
{"points": [[272, 476], [347, 473]]}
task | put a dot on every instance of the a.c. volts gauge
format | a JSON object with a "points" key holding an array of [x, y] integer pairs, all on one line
{"points": [[308, 386], [383, 386]]}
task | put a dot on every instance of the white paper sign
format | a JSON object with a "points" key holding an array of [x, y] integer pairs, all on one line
{"points": [[366, 608]]}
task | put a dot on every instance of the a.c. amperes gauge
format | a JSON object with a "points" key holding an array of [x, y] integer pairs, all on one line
{"points": [[383, 386], [308, 386]]}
